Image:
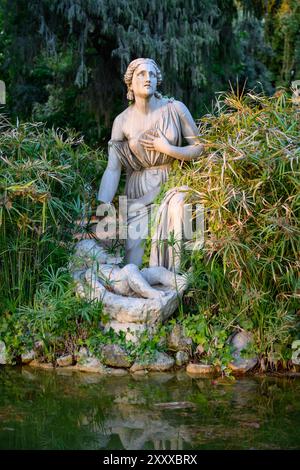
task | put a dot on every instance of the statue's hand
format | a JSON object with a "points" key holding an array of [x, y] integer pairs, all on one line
{"points": [[104, 210], [157, 142]]}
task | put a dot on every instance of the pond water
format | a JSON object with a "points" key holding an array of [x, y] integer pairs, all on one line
{"points": [[41, 409]]}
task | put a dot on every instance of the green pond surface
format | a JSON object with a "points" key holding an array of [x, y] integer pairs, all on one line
{"points": [[61, 409]]}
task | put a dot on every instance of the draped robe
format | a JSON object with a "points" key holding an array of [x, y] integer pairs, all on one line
{"points": [[146, 171]]}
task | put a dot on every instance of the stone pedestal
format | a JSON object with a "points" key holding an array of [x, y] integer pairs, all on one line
{"points": [[133, 315]]}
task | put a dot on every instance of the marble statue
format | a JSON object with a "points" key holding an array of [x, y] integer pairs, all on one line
{"points": [[146, 138], [134, 300]]}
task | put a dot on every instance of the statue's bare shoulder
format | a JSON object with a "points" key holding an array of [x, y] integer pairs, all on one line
{"points": [[117, 132]]}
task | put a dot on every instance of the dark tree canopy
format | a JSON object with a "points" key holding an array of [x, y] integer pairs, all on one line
{"points": [[63, 60]]}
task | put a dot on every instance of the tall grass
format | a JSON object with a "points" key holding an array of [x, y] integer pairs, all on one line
{"points": [[46, 183]]}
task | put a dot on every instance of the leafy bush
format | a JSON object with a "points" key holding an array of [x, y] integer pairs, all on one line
{"points": [[57, 322], [246, 275]]}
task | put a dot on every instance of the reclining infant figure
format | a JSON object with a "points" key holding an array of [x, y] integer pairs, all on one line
{"points": [[103, 273]]}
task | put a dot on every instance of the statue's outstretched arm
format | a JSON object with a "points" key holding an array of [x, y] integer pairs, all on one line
{"points": [[111, 176]]}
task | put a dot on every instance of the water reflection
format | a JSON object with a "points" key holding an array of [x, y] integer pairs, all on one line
{"points": [[67, 410]]}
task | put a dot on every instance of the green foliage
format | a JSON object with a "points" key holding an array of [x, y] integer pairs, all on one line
{"points": [[145, 349], [201, 45], [47, 179], [210, 339], [254, 53], [149, 344], [175, 33], [246, 275], [57, 322], [99, 338], [76, 78]]}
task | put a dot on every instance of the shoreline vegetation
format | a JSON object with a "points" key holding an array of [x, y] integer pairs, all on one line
{"points": [[244, 281]]}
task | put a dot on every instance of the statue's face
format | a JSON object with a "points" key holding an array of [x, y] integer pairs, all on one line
{"points": [[144, 80]]}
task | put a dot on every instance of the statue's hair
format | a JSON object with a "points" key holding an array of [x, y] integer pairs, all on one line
{"points": [[130, 71]]}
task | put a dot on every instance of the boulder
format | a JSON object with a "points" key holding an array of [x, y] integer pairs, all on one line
{"points": [[41, 365], [2, 353], [90, 364], [177, 340], [160, 362], [241, 365], [115, 356], [132, 331], [182, 357], [28, 356], [296, 353], [239, 342], [83, 353], [200, 369], [138, 310], [64, 361]]}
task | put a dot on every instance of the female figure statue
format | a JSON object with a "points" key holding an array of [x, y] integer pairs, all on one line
{"points": [[145, 139]]}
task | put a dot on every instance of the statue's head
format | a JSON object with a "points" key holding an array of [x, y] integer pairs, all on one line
{"points": [[142, 77]]}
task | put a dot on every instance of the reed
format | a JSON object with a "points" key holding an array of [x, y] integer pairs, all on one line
{"points": [[46, 184]]}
